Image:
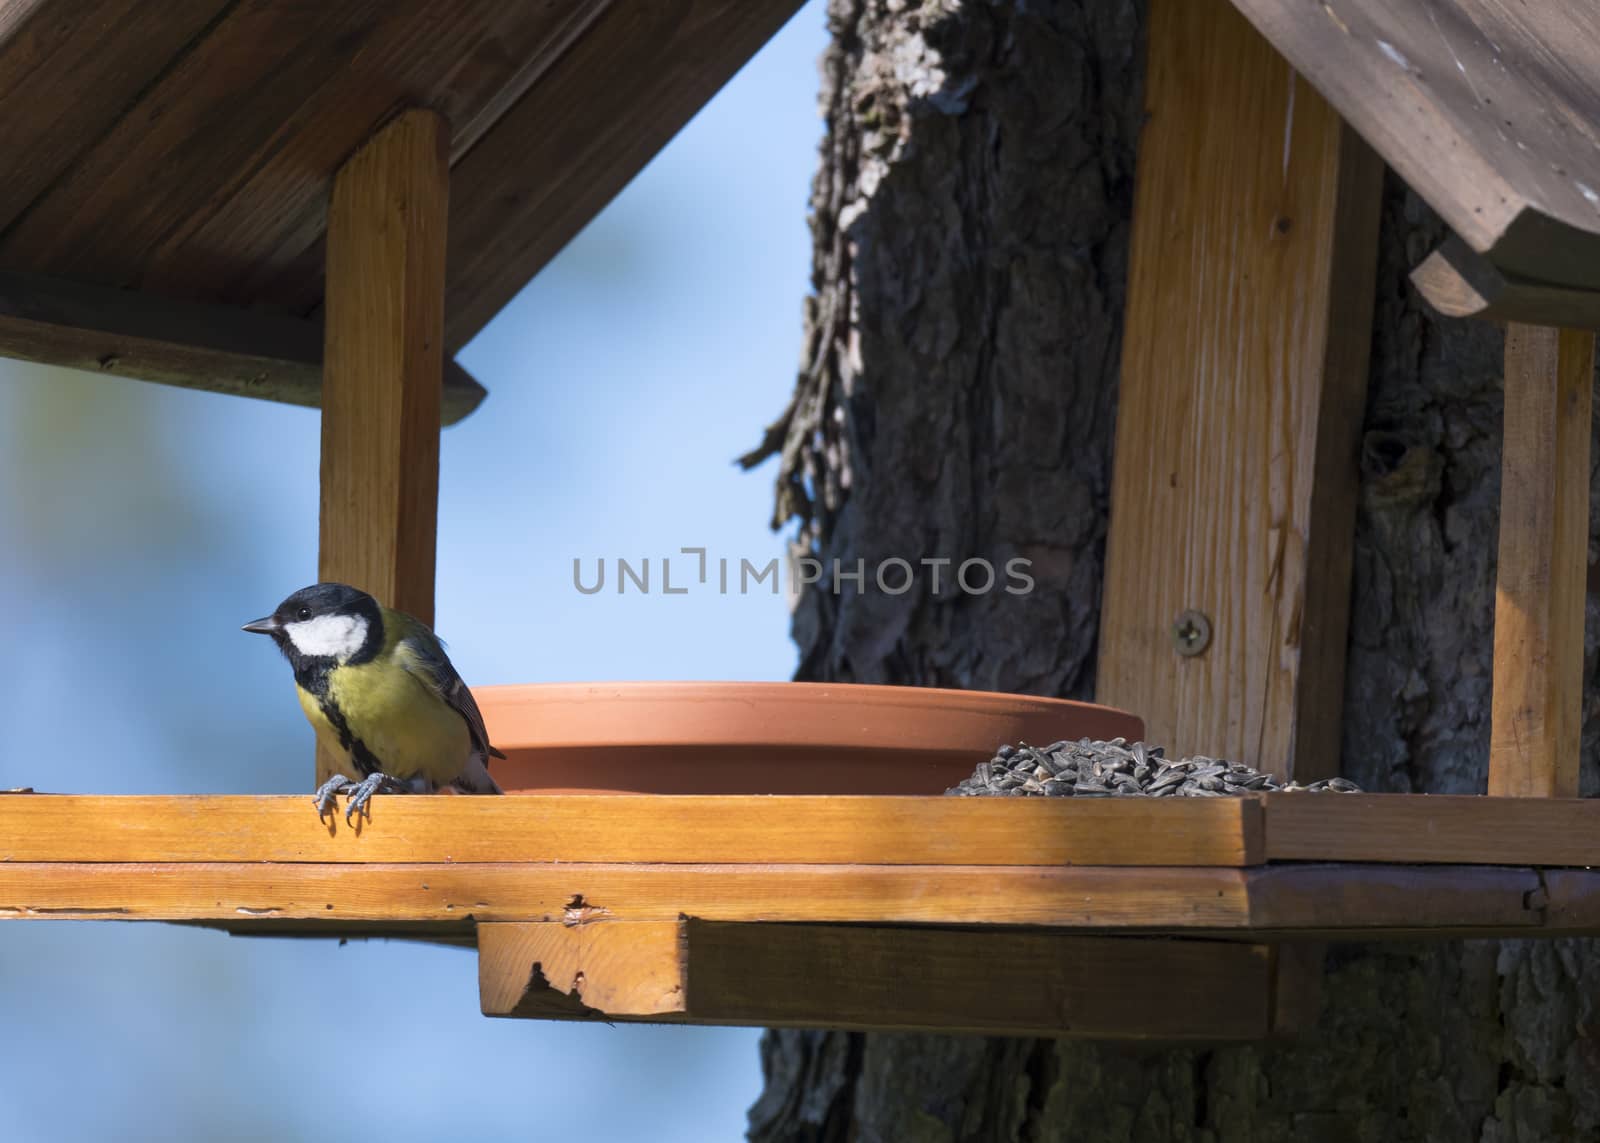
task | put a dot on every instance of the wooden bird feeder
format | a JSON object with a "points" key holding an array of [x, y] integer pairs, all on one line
{"points": [[321, 204]]}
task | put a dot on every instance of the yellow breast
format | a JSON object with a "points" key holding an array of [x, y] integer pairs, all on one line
{"points": [[404, 724]]}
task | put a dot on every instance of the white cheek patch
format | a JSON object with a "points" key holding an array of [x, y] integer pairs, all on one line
{"points": [[328, 636]]}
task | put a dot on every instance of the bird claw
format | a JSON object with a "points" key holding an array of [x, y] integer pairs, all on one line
{"points": [[361, 794], [323, 799]]}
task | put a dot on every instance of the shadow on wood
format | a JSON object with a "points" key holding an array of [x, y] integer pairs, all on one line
{"points": [[870, 977]]}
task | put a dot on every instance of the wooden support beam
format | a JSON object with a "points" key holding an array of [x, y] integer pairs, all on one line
{"points": [[123, 333], [1298, 970], [1243, 378], [1461, 283], [874, 977], [1537, 720], [382, 369], [555, 970], [385, 337]]}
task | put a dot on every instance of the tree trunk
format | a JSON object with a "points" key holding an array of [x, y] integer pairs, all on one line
{"points": [[957, 400]]}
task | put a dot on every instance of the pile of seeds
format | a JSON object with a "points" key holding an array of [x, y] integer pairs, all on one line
{"points": [[1115, 769]]}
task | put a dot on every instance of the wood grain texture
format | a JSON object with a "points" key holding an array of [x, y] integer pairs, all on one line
{"points": [[1218, 832], [1541, 582], [383, 370], [308, 897], [68, 71], [1431, 829], [188, 139], [546, 969], [1244, 369], [581, 133], [1460, 283], [468, 60], [193, 345], [215, 173], [1368, 902], [380, 408], [192, 157], [1487, 109], [1299, 969], [1348, 898], [1571, 901], [983, 983], [914, 831]]}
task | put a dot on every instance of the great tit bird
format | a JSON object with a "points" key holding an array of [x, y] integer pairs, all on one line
{"points": [[381, 694]]}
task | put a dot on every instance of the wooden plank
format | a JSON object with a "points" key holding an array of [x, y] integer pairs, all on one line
{"points": [[469, 60], [245, 353], [690, 828], [1352, 901], [1010, 983], [299, 897], [1487, 109], [1541, 584], [1208, 832], [1298, 971], [1244, 369], [1460, 283], [581, 133], [181, 145], [1396, 898], [891, 979], [1432, 829], [548, 969], [69, 70], [215, 173], [1571, 900], [380, 409]]}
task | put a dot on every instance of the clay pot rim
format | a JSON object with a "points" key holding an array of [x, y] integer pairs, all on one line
{"points": [[774, 714]]}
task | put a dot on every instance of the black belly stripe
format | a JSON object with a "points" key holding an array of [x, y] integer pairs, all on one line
{"points": [[365, 760]]}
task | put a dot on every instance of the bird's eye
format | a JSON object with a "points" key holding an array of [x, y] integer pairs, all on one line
{"points": [[303, 613]]}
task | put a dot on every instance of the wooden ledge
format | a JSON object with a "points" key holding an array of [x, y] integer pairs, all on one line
{"points": [[628, 828], [755, 830], [447, 899], [1126, 919]]}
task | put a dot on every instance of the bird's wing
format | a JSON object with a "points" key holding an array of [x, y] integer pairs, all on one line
{"points": [[421, 653]]}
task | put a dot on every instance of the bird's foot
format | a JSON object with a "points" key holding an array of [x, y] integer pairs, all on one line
{"points": [[323, 799], [361, 794]]}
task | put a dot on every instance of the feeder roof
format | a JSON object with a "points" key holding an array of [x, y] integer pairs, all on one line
{"points": [[1489, 110], [184, 149]]}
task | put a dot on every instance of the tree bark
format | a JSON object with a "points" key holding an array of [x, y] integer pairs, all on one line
{"points": [[957, 398]]}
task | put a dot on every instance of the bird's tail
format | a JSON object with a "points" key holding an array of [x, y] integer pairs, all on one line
{"points": [[475, 778]]}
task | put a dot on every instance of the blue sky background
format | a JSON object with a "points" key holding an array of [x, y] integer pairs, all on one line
{"points": [[140, 525]]}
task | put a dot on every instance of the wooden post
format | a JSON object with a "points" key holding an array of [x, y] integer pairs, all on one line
{"points": [[1537, 715], [1244, 368], [383, 365]]}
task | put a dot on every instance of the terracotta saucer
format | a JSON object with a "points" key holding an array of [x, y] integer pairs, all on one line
{"points": [[766, 738]]}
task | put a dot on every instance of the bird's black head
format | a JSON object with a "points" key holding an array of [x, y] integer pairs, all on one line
{"points": [[325, 623]]}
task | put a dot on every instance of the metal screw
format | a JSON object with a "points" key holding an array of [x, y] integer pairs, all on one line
{"points": [[1191, 633]]}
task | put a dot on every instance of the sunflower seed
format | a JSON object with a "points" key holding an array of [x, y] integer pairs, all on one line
{"points": [[1091, 769]]}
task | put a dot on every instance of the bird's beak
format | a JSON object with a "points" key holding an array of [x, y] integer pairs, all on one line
{"points": [[266, 626]]}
